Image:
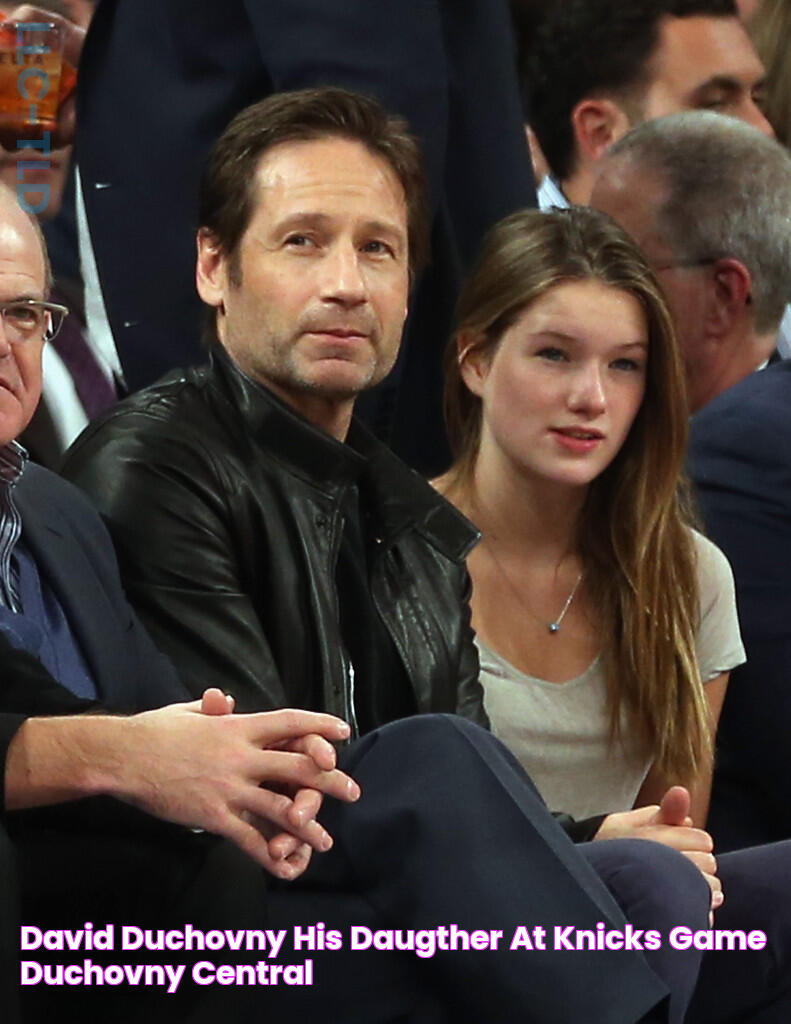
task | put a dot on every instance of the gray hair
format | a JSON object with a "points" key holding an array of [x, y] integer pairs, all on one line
{"points": [[728, 195]]}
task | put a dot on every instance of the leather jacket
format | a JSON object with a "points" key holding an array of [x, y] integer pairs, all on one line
{"points": [[225, 508]]}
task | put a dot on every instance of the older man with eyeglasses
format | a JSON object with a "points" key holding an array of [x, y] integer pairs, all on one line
{"points": [[31, 611]]}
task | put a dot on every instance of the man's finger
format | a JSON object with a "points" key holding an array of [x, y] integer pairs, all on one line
{"points": [[298, 860], [274, 808], [251, 842], [316, 747], [299, 771], [283, 845], [215, 702], [272, 727], [306, 804]]}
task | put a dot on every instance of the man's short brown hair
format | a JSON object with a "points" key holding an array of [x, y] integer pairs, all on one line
{"points": [[227, 186]]}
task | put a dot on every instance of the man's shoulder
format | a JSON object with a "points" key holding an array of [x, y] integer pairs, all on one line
{"points": [[50, 492], [742, 439], [170, 419], [168, 406], [53, 509], [761, 400]]}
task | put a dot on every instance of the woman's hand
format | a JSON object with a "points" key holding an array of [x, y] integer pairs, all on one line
{"points": [[669, 823]]}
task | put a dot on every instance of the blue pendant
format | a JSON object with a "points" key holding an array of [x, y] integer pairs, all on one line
{"points": [[553, 627]]}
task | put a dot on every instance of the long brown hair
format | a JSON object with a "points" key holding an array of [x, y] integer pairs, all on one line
{"points": [[633, 536]]}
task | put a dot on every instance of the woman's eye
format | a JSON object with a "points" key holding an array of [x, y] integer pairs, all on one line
{"points": [[553, 355], [626, 364]]}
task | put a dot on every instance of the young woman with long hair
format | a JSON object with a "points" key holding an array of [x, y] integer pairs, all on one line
{"points": [[606, 624]]}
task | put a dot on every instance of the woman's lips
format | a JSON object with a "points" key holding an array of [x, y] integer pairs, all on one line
{"points": [[577, 439]]}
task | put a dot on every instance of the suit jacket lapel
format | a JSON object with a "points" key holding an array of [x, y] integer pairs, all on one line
{"points": [[68, 570]]}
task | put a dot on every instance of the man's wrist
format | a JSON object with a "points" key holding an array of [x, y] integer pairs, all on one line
{"points": [[53, 760]]}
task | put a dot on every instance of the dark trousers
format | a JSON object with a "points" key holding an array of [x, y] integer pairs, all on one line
{"points": [[755, 987], [449, 831]]}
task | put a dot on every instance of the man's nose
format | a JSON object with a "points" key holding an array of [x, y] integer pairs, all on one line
{"points": [[343, 277], [587, 392]]}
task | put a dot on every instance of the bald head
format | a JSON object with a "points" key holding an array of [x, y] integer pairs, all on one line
{"points": [[23, 275], [10, 212]]}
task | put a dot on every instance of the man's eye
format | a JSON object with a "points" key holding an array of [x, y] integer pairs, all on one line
{"points": [[23, 317], [300, 241], [378, 248], [717, 101], [553, 355]]}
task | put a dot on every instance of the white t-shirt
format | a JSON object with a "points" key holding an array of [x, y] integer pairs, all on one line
{"points": [[560, 731]]}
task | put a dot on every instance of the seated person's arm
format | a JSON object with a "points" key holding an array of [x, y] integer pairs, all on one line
{"points": [[656, 785], [189, 764]]}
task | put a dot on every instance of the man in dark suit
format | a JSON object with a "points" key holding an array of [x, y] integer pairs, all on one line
{"points": [[159, 82], [717, 239], [709, 200], [740, 461]]}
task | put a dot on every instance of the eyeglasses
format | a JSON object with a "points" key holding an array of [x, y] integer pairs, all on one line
{"points": [[28, 319]]}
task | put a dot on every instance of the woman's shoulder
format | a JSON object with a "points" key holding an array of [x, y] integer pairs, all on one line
{"points": [[711, 561], [718, 642], [715, 576]]}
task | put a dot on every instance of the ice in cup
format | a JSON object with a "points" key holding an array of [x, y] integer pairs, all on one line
{"points": [[31, 73]]}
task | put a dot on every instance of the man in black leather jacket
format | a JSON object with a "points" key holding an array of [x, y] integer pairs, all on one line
{"points": [[271, 545]]}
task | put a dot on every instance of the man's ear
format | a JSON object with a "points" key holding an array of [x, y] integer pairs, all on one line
{"points": [[730, 295], [474, 360], [211, 276], [598, 123]]}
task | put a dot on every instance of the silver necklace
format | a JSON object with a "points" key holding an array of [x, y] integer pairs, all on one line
{"points": [[552, 627]]}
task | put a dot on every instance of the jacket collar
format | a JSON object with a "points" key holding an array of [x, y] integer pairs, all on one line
{"points": [[399, 497]]}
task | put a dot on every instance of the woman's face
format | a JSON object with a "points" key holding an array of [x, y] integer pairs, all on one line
{"points": [[562, 388]]}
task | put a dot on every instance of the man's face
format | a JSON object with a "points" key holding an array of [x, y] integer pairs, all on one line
{"points": [[705, 63], [317, 308], [22, 276]]}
